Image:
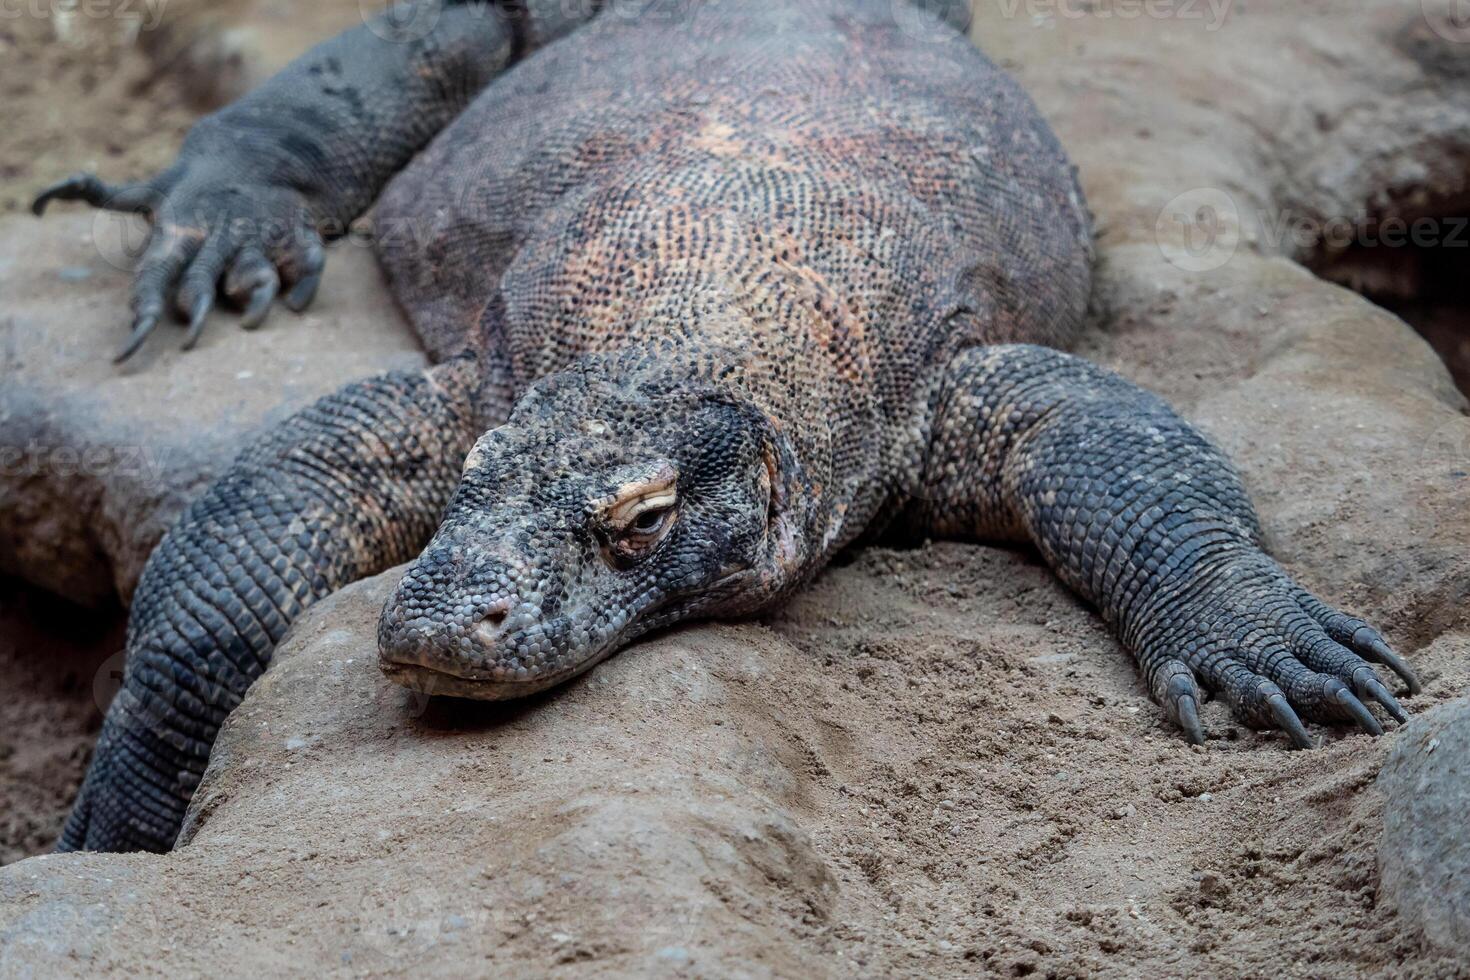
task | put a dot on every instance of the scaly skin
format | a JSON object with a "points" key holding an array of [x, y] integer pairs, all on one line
{"points": [[344, 489], [758, 280]]}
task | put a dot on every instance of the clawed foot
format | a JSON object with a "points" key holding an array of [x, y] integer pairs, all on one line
{"points": [[1275, 653], [214, 233]]}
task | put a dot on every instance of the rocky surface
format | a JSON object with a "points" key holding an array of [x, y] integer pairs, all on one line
{"points": [[96, 461], [1424, 855], [934, 760]]}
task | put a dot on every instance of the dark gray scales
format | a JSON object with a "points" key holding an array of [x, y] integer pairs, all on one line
{"points": [[713, 290]]}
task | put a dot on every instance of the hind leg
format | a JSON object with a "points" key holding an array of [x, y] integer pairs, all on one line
{"points": [[1138, 513], [344, 489]]}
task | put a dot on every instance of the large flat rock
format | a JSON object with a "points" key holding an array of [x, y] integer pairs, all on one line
{"points": [[935, 762], [97, 461]]}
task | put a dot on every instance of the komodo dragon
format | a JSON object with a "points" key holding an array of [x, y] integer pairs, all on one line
{"points": [[712, 290]]}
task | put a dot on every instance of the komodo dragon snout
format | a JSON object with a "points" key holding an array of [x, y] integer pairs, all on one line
{"points": [[599, 512]]}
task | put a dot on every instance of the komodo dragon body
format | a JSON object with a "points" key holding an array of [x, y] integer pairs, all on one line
{"points": [[713, 290]]}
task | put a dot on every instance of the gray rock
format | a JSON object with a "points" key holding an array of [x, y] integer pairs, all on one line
{"points": [[454, 832], [1424, 854], [97, 461]]}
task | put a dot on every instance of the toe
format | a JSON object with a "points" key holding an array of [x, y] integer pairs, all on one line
{"points": [[1288, 722], [1175, 688]]}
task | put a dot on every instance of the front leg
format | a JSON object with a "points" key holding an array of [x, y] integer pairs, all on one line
{"points": [[343, 489], [1142, 516]]}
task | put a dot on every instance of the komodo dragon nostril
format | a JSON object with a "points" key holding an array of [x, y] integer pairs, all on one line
{"points": [[487, 630]]}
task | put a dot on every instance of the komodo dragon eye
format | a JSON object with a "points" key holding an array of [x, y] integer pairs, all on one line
{"points": [[650, 520], [636, 523]]}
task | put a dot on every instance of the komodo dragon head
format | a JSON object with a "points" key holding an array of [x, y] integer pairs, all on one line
{"points": [[601, 510]]}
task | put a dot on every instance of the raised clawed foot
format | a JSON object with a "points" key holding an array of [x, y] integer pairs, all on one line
{"points": [[214, 232]]}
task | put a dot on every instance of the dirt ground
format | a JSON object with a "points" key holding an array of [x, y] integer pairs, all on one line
{"points": [[50, 655], [88, 103], [1044, 817], [67, 109], [984, 782], [70, 109], [934, 762]]}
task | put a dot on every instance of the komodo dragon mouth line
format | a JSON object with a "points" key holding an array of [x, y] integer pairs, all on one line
{"points": [[461, 679], [430, 680]]}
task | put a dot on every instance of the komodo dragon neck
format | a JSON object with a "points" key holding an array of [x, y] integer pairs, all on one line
{"points": [[745, 314]]}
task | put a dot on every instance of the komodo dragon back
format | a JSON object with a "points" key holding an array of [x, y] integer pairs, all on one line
{"points": [[908, 184]]}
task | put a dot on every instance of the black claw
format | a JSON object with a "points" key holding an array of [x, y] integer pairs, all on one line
{"points": [[1357, 711], [1176, 690], [1379, 650], [1377, 692], [85, 187], [1188, 712], [259, 306], [300, 295], [1288, 722], [196, 322], [141, 329], [313, 264]]}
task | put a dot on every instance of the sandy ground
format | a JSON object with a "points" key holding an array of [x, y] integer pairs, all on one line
{"points": [[50, 655], [934, 762], [66, 109], [1043, 816], [78, 109], [121, 110]]}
